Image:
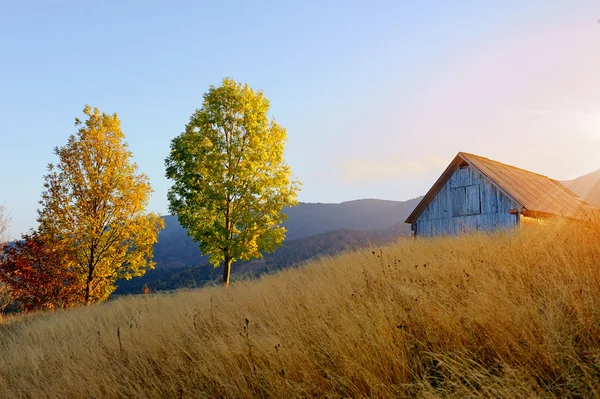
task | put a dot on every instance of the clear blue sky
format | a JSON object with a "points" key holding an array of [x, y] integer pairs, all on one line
{"points": [[377, 96]]}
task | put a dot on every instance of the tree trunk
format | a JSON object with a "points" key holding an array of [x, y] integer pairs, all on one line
{"points": [[88, 287], [226, 269], [90, 276], [87, 292], [226, 257]]}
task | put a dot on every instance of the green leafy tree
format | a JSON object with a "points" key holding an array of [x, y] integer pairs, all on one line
{"points": [[93, 207], [230, 179]]}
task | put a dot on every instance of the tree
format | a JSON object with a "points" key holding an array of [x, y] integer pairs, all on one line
{"points": [[230, 178], [5, 293], [34, 270], [93, 207], [4, 222]]}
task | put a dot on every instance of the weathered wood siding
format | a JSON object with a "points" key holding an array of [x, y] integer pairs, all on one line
{"points": [[468, 201]]}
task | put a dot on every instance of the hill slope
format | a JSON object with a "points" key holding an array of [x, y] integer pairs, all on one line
{"points": [[587, 187], [447, 318]]}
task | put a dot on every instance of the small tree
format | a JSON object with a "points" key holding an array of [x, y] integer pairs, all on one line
{"points": [[93, 207], [230, 178], [5, 293], [34, 269], [4, 223]]}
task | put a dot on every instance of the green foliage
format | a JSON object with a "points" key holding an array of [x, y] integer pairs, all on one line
{"points": [[230, 178]]}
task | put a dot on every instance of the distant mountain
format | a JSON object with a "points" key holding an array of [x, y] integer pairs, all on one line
{"points": [[313, 230], [587, 187], [175, 249], [307, 219]]}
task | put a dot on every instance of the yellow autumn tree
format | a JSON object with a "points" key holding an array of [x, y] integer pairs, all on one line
{"points": [[94, 207], [230, 179]]}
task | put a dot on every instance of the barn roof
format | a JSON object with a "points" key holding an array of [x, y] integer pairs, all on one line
{"points": [[537, 194]]}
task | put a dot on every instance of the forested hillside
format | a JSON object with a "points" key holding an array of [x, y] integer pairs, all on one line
{"points": [[292, 252], [175, 249]]}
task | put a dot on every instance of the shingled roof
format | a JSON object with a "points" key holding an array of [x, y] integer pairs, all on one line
{"points": [[537, 194]]}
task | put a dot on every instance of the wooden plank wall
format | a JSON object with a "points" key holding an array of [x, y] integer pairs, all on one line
{"points": [[468, 201]]}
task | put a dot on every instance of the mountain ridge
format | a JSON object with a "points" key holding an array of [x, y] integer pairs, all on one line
{"points": [[313, 230], [587, 187], [176, 249]]}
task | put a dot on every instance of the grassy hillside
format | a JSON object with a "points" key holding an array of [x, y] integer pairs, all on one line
{"points": [[508, 315]]}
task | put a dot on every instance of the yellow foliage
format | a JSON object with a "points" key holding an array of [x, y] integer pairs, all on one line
{"points": [[94, 205], [508, 315]]}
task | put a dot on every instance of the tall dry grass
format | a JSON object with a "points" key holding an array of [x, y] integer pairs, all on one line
{"points": [[507, 315]]}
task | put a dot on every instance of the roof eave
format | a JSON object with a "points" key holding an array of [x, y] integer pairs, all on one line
{"points": [[545, 215], [437, 186]]}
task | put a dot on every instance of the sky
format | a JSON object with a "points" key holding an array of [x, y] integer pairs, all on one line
{"points": [[377, 97]]}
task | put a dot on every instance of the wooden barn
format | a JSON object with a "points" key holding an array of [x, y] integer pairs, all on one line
{"points": [[476, 193]]}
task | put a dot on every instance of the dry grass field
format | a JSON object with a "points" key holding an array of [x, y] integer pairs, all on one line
{"points": [[507, 315]]}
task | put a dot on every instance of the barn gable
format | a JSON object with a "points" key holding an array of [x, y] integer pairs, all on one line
{"points": [[476, 193]]}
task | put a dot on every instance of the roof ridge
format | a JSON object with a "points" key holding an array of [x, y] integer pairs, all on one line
{"points": [[503, 164], [532, 191]]}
